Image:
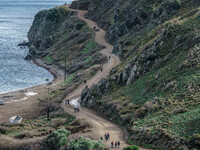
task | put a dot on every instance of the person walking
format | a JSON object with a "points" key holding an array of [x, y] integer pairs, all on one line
{"points": [[112, 144], [118, 143], [115, 144], [74, 109], [85, 81], [101, 138], [77, 109], [108, 135], [106, 138], [101, 69]]}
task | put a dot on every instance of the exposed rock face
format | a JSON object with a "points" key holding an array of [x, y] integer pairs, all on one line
{"points": [[161, 137], [89, 96], [158, 43], [56, 35], [129, 75], [44, 31], [131, 18]]}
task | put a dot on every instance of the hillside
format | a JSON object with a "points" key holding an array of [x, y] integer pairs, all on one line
{"points": [[57, 35], [154, 92]]}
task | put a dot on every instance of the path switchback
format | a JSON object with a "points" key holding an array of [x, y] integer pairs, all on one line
{"points": [[100, 125]]}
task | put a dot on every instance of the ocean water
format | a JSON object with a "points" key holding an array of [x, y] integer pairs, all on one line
{"points": [[16, 17]]}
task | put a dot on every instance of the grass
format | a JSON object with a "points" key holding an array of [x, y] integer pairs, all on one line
{"points": [[37, 127], [89, 47], [70, 78], [183, 89], [49, 59]]}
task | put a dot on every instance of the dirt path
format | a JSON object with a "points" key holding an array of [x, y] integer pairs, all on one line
{"points": [[100, 125]]}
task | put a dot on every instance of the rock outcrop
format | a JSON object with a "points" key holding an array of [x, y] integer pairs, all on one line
{"points": [[157, 83]]}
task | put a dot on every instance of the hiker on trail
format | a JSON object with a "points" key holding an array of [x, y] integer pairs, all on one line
{"points": [[85, 81], [101, 138], [112, 143], [94, 28], [108, 135], [118, 143], [77, 109], [109, 57], [67, 101], [101, 69], [74, 109]]}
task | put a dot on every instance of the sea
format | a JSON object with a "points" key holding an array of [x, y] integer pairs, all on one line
{"points": [[16, 17]]}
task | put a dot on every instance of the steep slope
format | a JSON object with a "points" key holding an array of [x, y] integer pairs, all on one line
{"points": [[57, 35], [154, 92]]}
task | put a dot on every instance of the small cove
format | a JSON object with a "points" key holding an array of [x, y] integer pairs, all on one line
{"points": [[16, 17]]}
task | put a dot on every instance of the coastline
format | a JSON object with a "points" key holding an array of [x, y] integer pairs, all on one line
{"points": [[17, 103]]}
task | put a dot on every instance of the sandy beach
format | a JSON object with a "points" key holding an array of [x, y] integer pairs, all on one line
{"points": [[24, 102]]}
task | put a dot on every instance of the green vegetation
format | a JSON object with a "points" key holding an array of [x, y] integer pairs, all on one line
{"points": [[178, 2], [87, 144], [49, 59], [132, 147], [36, 127], [164, 96], [70, 78], [89, 47], [57, 14], [58, 138]]}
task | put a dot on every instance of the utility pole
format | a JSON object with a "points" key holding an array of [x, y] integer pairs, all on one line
{"points": [[65, 69]]}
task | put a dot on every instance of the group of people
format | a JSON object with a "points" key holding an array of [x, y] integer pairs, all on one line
{"points": [[76, 109], [96, 29], [107, 136], [113, 145]]}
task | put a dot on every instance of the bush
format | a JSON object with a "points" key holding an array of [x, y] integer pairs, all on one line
{"points": [[132, 147], [178, 2], [57, 139], [22, 135], [87, 144]]}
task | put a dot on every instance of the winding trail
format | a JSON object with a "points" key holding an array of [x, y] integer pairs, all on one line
{"points": [[100, 125]]}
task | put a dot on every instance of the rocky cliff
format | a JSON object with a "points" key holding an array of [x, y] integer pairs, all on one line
{"points": [[57, 35], [154, 92]]}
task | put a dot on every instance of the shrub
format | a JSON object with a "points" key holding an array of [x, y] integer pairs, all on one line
{"points": [[22, 135], [81, 144], [58, 138], [178, 2], [3, 130], [132, 147]]}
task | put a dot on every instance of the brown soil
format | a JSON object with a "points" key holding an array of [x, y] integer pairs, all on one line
{"points": [[99, 124], [29, 107]]}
